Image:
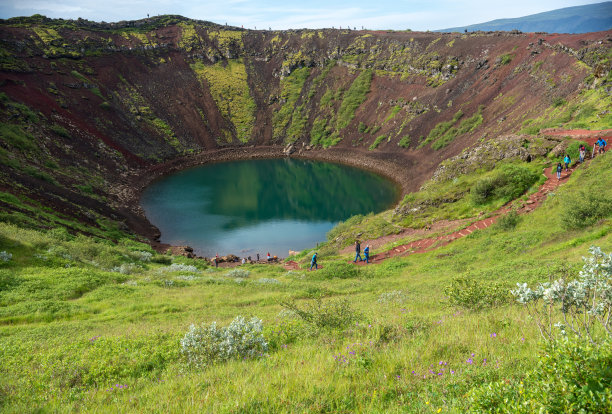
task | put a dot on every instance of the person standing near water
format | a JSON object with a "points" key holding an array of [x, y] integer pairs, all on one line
{"points": [[366, 253], [357, 251], [313, 262]]}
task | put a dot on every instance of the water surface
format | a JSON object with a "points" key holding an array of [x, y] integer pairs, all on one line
{"points": [[256, 206]]}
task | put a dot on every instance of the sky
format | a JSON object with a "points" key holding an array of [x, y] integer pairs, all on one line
{"points": [[417, 15]]}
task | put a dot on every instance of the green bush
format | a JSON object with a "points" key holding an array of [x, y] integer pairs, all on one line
{"points": [[572, 376], [507, 184], [404, 142], [584, 208], [472, 294], [508, 221], [204, 344], [330, 314]]}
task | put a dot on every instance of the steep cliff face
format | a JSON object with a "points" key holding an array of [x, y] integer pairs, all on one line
{"points": [[88, 105]]}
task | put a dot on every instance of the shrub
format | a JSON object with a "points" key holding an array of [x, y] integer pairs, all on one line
{"points": [[5, 257], [340, 270], [404, 142], [179, 267], [329, 314], [571, 377], [472, 294], [584, 208], [238, 273], [507, 184], [558, 101], [508, 221], [585, 303], [206, 344]]}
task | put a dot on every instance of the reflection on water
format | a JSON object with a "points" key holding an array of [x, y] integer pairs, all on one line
{"points": [[261, 205]]}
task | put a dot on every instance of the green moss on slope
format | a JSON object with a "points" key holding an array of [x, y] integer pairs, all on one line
{"points": [[229, 88]]}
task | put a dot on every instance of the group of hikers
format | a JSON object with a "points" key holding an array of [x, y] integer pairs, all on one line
{"points": [[366, 255], [599, 148]]}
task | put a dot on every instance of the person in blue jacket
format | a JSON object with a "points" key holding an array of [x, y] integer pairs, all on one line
{"points": [[313, 262], [601, 143], [559, 169], [366, 253], [567, 160]]}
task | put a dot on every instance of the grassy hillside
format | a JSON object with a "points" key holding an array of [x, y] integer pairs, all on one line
{"points": [[93, 319], [92, 325]]}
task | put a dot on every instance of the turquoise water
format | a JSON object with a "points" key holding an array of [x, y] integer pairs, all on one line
{"points": [[260, 206]]}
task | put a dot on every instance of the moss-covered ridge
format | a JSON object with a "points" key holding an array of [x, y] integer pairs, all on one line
{"points": [[104, 100]]}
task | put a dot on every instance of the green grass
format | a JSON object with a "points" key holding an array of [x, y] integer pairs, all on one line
{"points": [[17, 138], [404, 142], [377, 142], [230, 90], [441, 128], [92, 325], [353, 98], [291, 89], [589, 110]]}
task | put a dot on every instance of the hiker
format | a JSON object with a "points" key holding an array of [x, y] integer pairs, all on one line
{"points": [[217, 260], [243, 260], [559, 169], [582, 153], [357, 251], [313, 262], [268, 257], [567, 160], [601, 143], [258, 257], [366, 253]]}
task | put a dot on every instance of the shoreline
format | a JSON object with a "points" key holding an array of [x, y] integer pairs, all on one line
{"points": [[393, 166]]}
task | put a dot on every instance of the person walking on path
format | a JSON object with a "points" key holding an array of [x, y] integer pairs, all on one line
{"points": [[366, 253], [582, 153], [567, 160], [559, 169], [357, 252], [601, 144], [313, 262]]}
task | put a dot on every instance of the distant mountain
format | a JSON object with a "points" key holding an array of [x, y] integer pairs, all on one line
{"points": [[579, 19]]}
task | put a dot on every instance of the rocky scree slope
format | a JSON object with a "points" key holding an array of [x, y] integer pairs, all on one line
{"points": [[90, 111]]}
